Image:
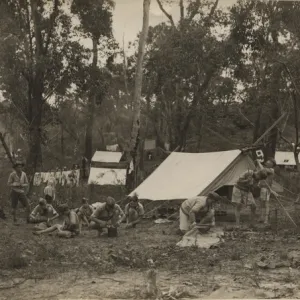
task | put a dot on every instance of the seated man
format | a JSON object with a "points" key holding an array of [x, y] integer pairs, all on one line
{"points": [[108, 214], [201, 204], [70, 226], [43, 212], [84, 213], [134, 210]]}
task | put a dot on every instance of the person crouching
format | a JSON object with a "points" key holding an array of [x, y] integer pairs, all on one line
{"points": [[70, 226], [203, 205], [43, 213], [108, 214], [84, 213], [134, 211]]}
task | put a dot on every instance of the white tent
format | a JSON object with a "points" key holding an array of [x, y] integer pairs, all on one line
{"points": [[185, 175], [107, 157], [107, 176], [285, 158]]}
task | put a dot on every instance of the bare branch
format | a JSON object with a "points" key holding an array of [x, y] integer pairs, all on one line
{"points": [[165, 12]]}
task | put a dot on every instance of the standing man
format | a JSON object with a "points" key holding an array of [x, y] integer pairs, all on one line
{"points": [[203, 205], [134, 211], [18, 183], [242, 192], [265, 189], [108, 214]]}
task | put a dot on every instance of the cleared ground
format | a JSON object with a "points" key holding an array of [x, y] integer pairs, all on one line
{"points": [[249, 264]]}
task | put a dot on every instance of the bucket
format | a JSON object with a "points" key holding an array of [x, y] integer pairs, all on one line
{"points": [[112, 232]]}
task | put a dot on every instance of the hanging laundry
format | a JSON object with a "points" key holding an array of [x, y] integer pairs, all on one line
{"points": [[37, 180]]}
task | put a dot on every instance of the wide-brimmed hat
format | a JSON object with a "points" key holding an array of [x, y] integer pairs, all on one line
{"points": [[110, 201], [42, 201], [18, 163]]}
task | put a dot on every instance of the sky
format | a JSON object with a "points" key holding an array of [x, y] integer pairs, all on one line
{"points": [[128, 17]]}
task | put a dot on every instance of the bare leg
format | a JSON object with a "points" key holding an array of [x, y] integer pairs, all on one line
{"points": [[50, 229], [253, 211], [238, 209], [99, 227], [267, 212], [14, 214]]}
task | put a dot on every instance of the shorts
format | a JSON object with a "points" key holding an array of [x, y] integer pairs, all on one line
{"points": [[18, 197], [242, 197], [265, 195]]}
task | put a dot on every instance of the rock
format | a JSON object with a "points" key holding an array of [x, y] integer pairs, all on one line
{"points": [[262, 265], [248, 266]]}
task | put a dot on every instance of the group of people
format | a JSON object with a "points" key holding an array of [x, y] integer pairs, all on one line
{"points": [[110, 214], [252, 187], [103, 215]]}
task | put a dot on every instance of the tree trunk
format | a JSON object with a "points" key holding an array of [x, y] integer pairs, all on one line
{"points": [[62, 146], [91, 110], [134, 138], [200, 131]]}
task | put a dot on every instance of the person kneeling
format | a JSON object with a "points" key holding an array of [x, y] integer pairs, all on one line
{"points": [[70, 226], [108, 214], [84, 213], [203, 205], [43, 213], [134, 211]]}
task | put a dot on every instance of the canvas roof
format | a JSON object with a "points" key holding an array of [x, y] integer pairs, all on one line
{"points": [[185, 175], [107, 156], [104, 176], [285, 158]]}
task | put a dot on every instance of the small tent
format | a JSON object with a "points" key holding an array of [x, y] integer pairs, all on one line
{"points": [[185, 175], [285, 159], [107, 169]]}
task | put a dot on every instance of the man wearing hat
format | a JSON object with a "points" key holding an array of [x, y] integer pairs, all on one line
{"points": [[134, 211], [107, 214], [202, 205], [43, 212], [242, 194], [265, 189], [18, 183]]}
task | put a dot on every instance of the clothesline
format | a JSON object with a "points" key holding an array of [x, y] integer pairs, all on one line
{"points": [[61, 178]]}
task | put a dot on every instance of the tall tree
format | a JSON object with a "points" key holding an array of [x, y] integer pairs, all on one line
{"points": [[95, 23], [134, 138], [37, 59]]}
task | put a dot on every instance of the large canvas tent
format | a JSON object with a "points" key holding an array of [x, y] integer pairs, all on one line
{"points": [[185, 175]]}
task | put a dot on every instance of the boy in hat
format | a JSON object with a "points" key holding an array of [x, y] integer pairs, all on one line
{"points": [[84, 213], [18, 183], [134, 210], [265, 189], [70, 226], [203, 205], [43, 212], [242, 194], [108, 214]]}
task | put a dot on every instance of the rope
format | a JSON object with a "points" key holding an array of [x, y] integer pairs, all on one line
{"points": [[286, 212]]}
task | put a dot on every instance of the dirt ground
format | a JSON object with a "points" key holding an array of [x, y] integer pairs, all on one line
{"points": [[248, 264]]}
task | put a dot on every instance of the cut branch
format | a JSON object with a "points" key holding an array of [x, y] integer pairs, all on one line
{"points": [[165, 12]]}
